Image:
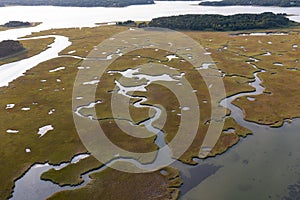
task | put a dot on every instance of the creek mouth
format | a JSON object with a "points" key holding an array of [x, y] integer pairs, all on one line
{"points": [[262, 166], [195, 175]]}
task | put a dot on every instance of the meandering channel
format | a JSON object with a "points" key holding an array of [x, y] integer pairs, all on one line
{"points": [[236, 112], [30, 186], [40, 189]]}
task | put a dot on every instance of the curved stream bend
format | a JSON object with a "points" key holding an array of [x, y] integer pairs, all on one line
{"points": [[30, 186], [237, 113], [40, 189], [12, 71]]}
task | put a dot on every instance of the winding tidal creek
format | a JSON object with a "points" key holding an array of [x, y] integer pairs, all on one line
{"points": [[262, 165]]}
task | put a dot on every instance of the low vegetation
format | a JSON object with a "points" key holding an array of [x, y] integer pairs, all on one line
{"points": [[277, 54], [113, 184], [43, 97], [231, 54]]}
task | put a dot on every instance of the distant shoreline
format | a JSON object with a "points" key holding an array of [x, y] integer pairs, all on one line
{"points": [[264, 3], [212, 22], [31, 24], [76, 3]]}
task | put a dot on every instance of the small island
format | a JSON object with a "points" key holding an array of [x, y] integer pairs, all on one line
{"points": [[18, 24], [76, 3], [280, 3], [127, 23], [10, 48], [14, 24], [236, 22]]}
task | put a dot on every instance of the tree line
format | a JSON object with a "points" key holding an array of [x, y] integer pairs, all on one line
{"points": [[236, 22], [76, 3], [16, 24], [281, 3], [10, 47]]}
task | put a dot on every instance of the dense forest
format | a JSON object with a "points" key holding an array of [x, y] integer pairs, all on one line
{"points": [[76, 3], [223, 23], [16, 24], [281, 3], [10, 47]]}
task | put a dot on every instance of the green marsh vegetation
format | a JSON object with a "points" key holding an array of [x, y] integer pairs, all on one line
{"points": [[231, 54]]}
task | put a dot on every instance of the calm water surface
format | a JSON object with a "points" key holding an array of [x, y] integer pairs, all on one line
{"points": [[261, 166], [65, 17]]}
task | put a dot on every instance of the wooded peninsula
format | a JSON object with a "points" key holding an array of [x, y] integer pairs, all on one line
{"points": [[237, 22]]}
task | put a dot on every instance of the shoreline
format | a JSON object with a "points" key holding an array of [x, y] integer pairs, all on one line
{"points": [[32, 24], [245, 120]]}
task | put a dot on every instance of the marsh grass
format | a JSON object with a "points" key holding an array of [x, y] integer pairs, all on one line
{"points": [[280, 101]]}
